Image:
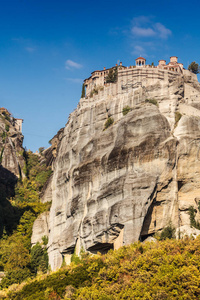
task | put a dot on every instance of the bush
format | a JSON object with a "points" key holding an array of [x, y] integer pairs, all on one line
{"points": [[108, 123], [15, 276], [178, 116], [83, 91], [161, 270], [96, 90], [45, 240], [4, 136], [126, 110], [7, 127], [192, 213], [152, 101], [168, 232], [112, 75], [39, 258], [1, 155], [194, 67]]}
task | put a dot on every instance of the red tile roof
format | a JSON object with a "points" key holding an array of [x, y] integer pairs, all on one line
{"points": [[140, 58]]}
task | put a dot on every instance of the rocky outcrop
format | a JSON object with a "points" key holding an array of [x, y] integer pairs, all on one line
{"points": [[11, 168], [40, 228], [11, 150], [11, 155], [112, 187]]}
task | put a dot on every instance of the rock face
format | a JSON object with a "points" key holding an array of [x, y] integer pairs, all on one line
{"points": [[40, 228], [11, 166], [11, 154], [112, 187]]}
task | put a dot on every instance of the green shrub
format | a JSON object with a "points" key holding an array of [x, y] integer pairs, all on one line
{"points": [[75, 258], [112, 75], [83, 91], [1, 155], [6, 115], [166, 269], [152, 101], [7, 127], [126, 110], [199, 206], [15, 276], [45, 240], [39, 258], [192, 213], [108, 122], [94, 92], [168, 232], [4, 136], [178, 116]]}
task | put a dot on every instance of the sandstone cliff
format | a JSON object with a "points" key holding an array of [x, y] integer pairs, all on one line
{"points": [[11, 153], [112, 187], [11, 165]]}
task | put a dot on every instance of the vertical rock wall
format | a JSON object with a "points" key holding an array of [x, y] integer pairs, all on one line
{"points": [[112, 187]]}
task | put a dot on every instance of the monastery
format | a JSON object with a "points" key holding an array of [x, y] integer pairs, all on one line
{"points": [[17, 123], [141, 74]]}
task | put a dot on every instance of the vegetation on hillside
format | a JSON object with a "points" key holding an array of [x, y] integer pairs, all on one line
{"points": [[96, 90], [168, 269], [152, 101], [17, 259], [108, 123], [178, 116], [126, 110]]}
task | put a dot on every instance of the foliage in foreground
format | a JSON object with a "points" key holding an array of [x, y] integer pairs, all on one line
{"points": [[167, 269], [17, 259]]}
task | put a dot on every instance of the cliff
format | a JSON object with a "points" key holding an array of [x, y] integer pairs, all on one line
{"points": [[114, 186], [11, 164], [11, 150]]}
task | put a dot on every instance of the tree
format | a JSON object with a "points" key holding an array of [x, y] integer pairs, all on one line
{"points": [[194, 67], [83, 91], [39, 258], [112, 75]]}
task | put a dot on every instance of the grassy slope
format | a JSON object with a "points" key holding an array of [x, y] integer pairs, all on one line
{"points": [[167, 269]]}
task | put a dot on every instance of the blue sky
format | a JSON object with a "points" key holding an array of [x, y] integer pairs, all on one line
{"points": [[48, 47]]}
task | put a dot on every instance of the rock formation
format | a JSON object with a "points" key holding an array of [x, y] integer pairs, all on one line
{"points": [[11, 153], [11, 165], [114, 186]]}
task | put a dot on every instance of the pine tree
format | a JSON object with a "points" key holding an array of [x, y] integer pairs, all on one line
{"points": [[194, 67], [83, 91]]}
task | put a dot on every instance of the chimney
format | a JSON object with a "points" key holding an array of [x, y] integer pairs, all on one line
{"points": [[120, 63], [104, 68]]}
